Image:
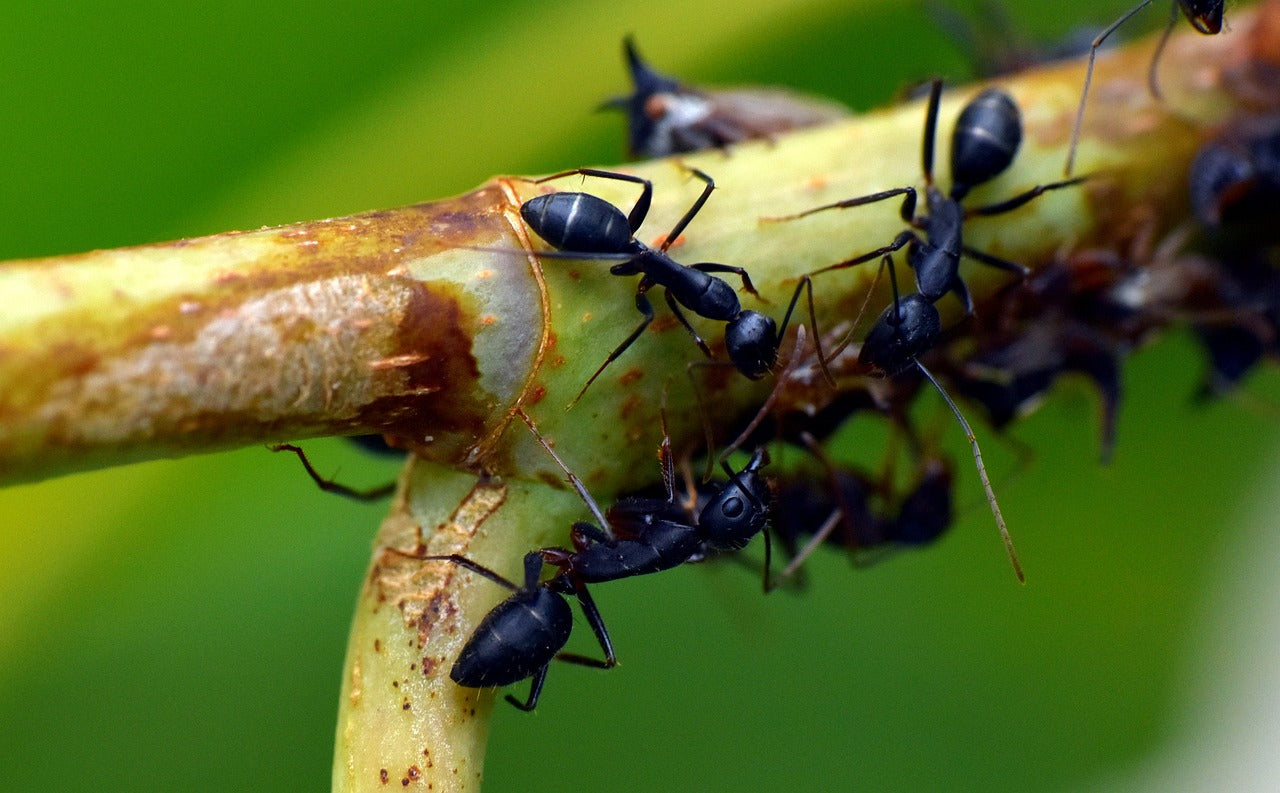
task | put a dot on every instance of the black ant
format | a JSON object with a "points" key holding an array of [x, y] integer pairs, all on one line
{"points": [[583, 226], [665, 116], [985, 140], [520, 637], [1204, 15], [907, 329]]}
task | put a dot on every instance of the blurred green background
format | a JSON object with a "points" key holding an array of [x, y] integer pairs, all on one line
{"points": [[181, 625]]}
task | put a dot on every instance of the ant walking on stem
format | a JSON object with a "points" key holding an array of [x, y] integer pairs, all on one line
{"points": [[520, 636], [585, 227], [984, 142]]}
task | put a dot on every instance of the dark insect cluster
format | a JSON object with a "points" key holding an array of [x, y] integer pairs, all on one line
{"points": [[1079, 316]]}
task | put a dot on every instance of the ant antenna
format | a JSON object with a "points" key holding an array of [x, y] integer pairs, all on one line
{"points": [[573, 478], [982, 473], [1088, 76]]}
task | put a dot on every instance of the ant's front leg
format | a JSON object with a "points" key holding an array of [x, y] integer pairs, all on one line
{"points": [[899, 242], [907, 210], [1010, 204]]}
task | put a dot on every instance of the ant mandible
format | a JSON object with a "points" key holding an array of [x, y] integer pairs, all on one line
{"points": [[1204, 15], [583, 226], [985, 140]]}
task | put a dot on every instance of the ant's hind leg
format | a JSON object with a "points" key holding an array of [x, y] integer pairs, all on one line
{"points": [[535, 691], [638, 211], [330, 486], [596, 622]]}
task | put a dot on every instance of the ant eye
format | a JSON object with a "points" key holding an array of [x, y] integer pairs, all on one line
{"points": [[733, 507]]}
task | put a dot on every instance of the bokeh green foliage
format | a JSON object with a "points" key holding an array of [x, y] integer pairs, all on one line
{"points": [[180, 625]]}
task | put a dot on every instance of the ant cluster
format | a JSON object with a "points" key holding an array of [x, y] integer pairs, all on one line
{"points": [[1081, 314]]}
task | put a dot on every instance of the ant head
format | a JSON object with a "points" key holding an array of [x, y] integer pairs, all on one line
{"points": [[1204, 15], [577, 222], [905, 330], [751, 339], [739, 511], [986, 138]]}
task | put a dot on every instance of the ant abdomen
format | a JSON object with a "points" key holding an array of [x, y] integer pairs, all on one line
{"points": [[515, 640], [985, 140], [578, 222]]}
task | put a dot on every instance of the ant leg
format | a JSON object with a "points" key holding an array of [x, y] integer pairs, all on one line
{"points": [[982, 472], [1088, 79], [646, 308], [769, 402], [1022, 198], [930, 131], [1153, 83], [638, 211], [995, 261], [573, 478], [841, 515], [675, 309], [767, 583], [893, 283], [679, 227], [961, 291], [702, 409], [806, 282], [899, 242], [535, 691], [594, 619], [330, 486], [712, 267], [474, 567], [583, 535], [907, 211]]}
